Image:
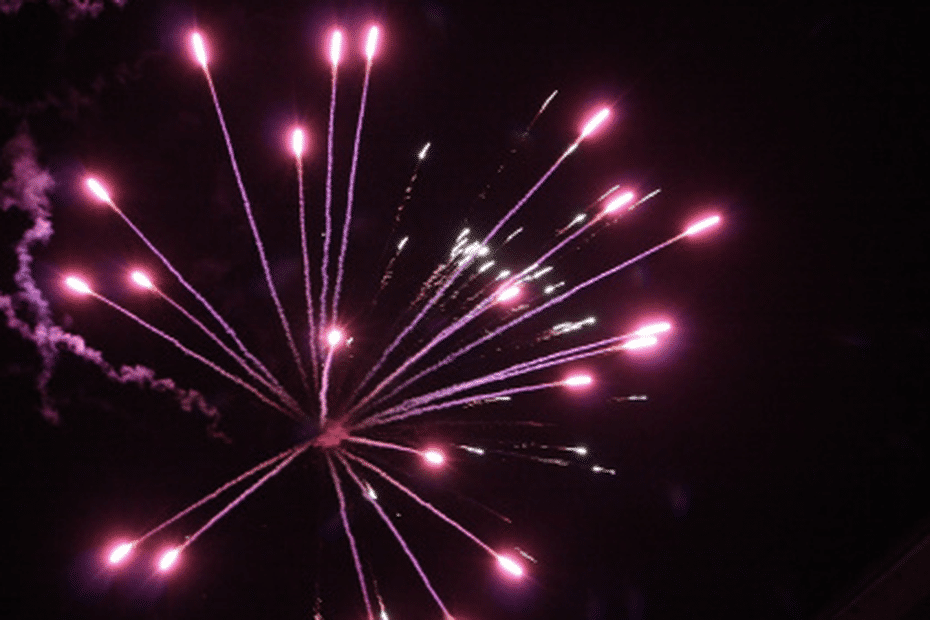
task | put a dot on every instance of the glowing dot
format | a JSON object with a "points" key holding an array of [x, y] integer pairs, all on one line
{"points": [[578, 381], [595, 122], [653, 328], [97, 189], [434, 457], [642, 342], [619, 201], [78, 285], [702, 225], [168, 559], [297, 142], [371, 43], [422, 155], [142, 280], [335, 47], [334, 337], [119, 552], [509, 293], [200, 50], [510, 566]]}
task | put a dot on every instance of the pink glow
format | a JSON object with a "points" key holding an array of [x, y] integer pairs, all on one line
{"points": [[334, 337], [298, 140], [708, 222], [653, 328], [200, 50], [508, 293], [641, 342], [168, 559], [119, 553], [97, 189], [434, 457], [142, 280], [78, 285], [621, 200], [371, 43], [594, 122], [578, 381], [335, 47], [510, 566]]}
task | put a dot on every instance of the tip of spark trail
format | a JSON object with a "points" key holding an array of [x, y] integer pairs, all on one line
{"points": [[298, 142], [168, 559], [119, 552], [702, 225], [97, 189], [335, 47], [595, 121], [140, 279], [371, 42], [434, 457], [623, 199], [510, 566], [200, 49], [578, 381], [78, 285]]}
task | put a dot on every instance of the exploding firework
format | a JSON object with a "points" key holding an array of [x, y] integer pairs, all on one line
{"points": [[483, 328]]}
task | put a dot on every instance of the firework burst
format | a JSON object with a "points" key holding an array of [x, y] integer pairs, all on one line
{"points": [[481, 330]]}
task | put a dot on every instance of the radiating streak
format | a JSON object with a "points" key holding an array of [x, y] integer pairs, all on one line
{"points": [[534, 311], [370, 44], [382, 444], [442, 289], [219, 491], [241, 497], [335, 47], [397, 536], [348, 530], [286, 398], [398, 485], [305, 251], [190, 288], [324, 384], [255, 235]]}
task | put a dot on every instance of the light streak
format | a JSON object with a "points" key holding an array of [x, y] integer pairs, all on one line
{"points": [[120, 552], [702, 225], [168, 559], [510, 566], [200, 50]]}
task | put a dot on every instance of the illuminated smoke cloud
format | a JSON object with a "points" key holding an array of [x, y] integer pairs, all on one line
{"points": [[27, 310], [72, 9]]}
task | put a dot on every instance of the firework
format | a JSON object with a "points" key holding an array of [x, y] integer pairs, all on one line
{"points": [[463, 308]]}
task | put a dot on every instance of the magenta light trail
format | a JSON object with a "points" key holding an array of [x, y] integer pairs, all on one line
{"points": [[197, 41], [335, 51], [298, 145]]}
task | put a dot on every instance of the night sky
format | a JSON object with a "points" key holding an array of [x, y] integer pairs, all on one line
{"points": [[785, 445]]}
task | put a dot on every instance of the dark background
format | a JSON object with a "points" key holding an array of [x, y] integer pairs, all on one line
{"points": [[784, 448]]}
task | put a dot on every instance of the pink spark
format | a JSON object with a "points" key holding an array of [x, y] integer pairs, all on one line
{"points": [[200, 50], [510, 566], [578, 381], [297, 142], [508, 293], [653, 328], [334, 337], [78, 285], [594, 123], [641, 342], [619, 201], [97, 189], [371, 43], [119, 553], [335, 47], [142, 280], [434, 457], [702, 225], [168, 559]]}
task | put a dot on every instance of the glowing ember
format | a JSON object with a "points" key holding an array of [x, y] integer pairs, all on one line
{"points": [[297, 142], [654, 328], [200, 50], [78, 285], [335, 47], [168, 559], [434, 457], [371, 43], [142, 280], [334, 337], [578, 381], [510, 566], [120, 552], [97, 189], [642, 342], [702, 225], [621, 200], [595, 122]]}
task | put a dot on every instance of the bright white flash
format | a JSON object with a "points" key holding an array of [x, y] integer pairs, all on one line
{"points": [[168, 559], [595, 122], [335, 47], [200, 50], [434, 457], [371, 43], [402, 243], [510, 566], [297, 142], [621, 200], [142, 280], [78, 285], [653, 328], [704, 224], [422, 155], [97, 189], [642, 342], [578, 381], [120, 552], [508, 294], [334, 337]]}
